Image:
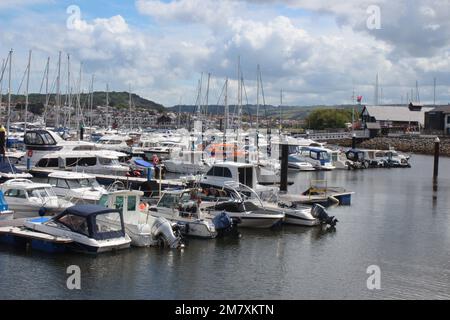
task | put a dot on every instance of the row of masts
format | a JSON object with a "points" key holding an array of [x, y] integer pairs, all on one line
{"points": [[62, 111], [235, 119]]}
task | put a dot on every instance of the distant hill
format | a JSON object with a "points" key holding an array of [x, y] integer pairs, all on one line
{"points": [[288, 112], [116, 99]]}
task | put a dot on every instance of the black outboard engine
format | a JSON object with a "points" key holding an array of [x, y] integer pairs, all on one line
{"points": [[320, 213], [225, 225]]}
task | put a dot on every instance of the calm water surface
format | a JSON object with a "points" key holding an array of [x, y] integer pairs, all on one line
{"points": [[393, 223]]}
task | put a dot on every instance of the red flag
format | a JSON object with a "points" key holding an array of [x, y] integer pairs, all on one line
{"points": [[359, 98]]}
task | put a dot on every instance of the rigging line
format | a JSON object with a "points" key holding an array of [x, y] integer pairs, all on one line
{"points": [[221, 93], [4, 68]]}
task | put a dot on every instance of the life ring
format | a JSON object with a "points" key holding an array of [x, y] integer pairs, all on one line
{"points": [[155, 159]]}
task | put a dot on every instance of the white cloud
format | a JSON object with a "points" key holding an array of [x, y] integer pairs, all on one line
{"points": [[310, 62]]}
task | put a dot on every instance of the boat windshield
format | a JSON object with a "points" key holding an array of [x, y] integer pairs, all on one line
{"points": [[108, 161], [41, 193], [323, 155], [168, 200], [82, 183]]}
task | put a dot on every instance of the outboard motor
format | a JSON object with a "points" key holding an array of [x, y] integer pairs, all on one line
{"points": [[225, 225], [162, 229], [320, 213]]}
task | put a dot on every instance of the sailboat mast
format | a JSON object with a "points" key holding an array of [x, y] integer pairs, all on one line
{"points": [[129, 105], [79, 98], [9, 93], [257, 98], [207, 96], [26, 94], [108, 116], [47, 69], [1, 86], [69, 97], [58, 91], [226, 106]]}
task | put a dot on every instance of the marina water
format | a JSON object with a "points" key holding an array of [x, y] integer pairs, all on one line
{"points": [[393, 223]]}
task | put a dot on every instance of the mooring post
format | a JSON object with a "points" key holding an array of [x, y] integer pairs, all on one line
{"points": [[284, 167], [437, 143], [354, 141]]}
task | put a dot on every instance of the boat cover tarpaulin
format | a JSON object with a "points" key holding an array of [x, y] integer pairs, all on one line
{"points": [[143, 163], [6, 167]]}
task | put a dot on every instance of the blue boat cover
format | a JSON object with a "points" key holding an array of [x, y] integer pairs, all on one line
{"points": [[6, 167], [143, 163]]}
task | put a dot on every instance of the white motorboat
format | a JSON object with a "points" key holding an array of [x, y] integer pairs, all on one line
{"points": [[188, 162], [250, 211], [120, 143], [296, 162], [223, 173], [76, 186], [45, 149], [318, 157], [181, 206], [143, 228], [28, 199], [87, 226]]}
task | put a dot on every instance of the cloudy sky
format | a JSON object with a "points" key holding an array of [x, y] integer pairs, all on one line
{"points": [[316, 51]]}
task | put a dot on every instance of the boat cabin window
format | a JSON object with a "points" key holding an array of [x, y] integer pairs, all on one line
{"points": [[107, 161], [219, 172], [131, 204], [47, 163], [103, 200], [168, 200], [39, 138], [88, 182], [246, 176], [104, 226], [41, 193], [15, 193], [82, 162], [321, 155], [62, 183], [118, 203], [75, 223]]}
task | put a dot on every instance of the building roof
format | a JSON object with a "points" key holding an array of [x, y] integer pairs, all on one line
{"points": [[400, 113], [443, 109]]}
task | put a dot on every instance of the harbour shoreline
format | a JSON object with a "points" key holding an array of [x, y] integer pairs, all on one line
{"points": [[417, 145]]}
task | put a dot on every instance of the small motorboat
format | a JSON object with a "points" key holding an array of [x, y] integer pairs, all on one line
{"points": [[182, 207], [250, 211], [30, 199], [86, 226], [78, 187], [143, 228], [307, 216], [296, 162]]}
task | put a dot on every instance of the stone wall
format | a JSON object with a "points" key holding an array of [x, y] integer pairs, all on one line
{"points": [[420, 145]]}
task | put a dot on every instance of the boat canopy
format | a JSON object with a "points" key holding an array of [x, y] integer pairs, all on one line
{"points": [[94, 221]]}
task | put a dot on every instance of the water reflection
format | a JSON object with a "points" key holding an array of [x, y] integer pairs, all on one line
{"points": [[388, 224]]}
